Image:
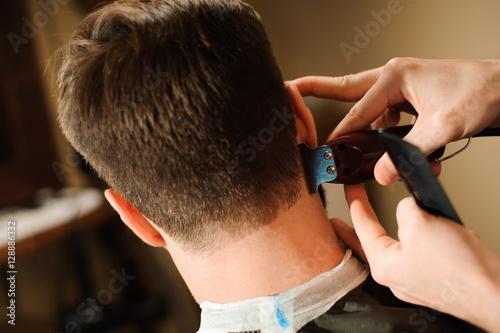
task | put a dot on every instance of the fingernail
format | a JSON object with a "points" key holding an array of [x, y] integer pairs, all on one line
{"points": [[386, 173]]}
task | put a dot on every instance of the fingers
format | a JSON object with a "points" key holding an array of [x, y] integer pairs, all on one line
{"points": [[390, 118], [384, 93], [347, 88], [374, 96], [348, 236], [436, 168], [413, 219], [418, 229], [385, 172], [408, 213], [371, 234], [405, 107]]}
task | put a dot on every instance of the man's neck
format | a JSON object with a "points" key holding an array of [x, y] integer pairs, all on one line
{"points": [[297, 246]]}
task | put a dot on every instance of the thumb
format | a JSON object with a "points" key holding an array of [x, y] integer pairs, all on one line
{"points": [[427, 138], [385, 172]]}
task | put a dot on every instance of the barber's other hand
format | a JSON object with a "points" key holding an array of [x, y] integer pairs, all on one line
{"points": [[436, 262], [453, 99]]}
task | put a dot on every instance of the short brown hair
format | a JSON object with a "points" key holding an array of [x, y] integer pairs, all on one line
{"points": [[180, 106]]}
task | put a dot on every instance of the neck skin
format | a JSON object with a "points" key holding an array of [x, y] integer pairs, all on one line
{"points": [[294, 248]]}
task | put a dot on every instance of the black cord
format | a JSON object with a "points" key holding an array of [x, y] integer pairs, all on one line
{"points": [[488, 132]]}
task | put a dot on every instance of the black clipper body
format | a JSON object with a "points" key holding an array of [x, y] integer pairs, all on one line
{"points": [[418, 176]]}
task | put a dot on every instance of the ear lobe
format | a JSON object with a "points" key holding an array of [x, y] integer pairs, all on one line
{"points": [[141, 226], [303, 116]]}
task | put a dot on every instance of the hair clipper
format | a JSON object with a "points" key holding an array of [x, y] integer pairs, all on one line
{"points": [[348, 159]]}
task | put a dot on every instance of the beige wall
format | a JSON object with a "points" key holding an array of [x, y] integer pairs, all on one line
{"points": [[306, 36]]}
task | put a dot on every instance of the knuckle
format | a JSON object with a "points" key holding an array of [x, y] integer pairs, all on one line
{"points": [[397, 67], [345, 80], [345, 83]]}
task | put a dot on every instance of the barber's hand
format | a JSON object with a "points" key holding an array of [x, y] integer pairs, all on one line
{"points": [[436, 262], [453, 99]]}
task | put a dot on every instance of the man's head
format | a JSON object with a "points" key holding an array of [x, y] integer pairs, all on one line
{"points": [[180, 106]]}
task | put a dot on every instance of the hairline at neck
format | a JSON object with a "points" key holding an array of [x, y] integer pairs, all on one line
{"points": [[294, 248]]}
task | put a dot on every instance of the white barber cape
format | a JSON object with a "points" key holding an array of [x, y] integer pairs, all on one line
{"points": [[289, 311]]}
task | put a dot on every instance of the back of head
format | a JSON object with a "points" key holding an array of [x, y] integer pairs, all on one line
{"points": [[180, 106]]}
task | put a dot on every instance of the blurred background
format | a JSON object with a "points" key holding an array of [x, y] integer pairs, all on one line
{"points": [[80, 270]]}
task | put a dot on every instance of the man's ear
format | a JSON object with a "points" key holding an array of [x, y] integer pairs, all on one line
{"points": [[140, 225], [306, 129]]}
